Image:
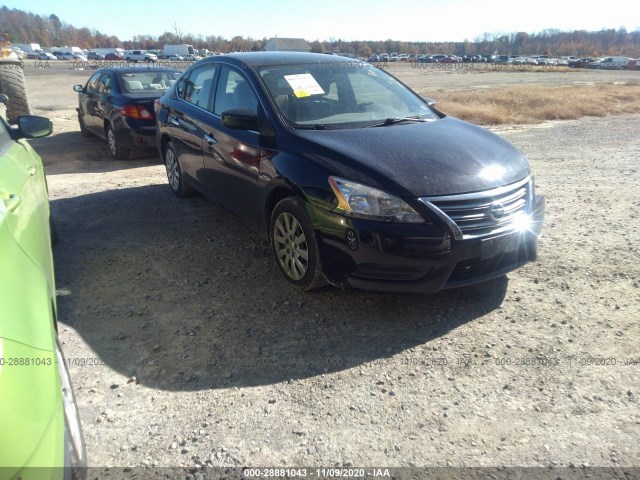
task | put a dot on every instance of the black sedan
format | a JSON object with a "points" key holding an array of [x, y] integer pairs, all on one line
{"points": [[117, 104], [355, 179]]}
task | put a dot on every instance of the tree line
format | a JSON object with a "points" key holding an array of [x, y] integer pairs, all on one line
{"points": [[27, 27]]}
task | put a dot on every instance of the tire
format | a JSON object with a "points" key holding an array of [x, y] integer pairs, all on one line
{"points": [[13, 85], [117, 151], [83, 129], [294, 245], [75, 448], [174, 173]]}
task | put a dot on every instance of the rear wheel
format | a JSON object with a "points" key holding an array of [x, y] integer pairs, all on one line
{"points": [[13, 85], [294, 245], [117, 151], [174, 173]]}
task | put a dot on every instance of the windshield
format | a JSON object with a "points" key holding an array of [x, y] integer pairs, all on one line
{"points": [[340, 95]]}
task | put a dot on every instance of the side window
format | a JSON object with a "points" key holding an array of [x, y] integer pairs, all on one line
{"points": [[104, 84], [234, 91], [180, 86], [92, 84], [197, 89]]}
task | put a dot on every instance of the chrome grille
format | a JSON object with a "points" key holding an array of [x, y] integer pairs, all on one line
{"points": [[482, 213]]}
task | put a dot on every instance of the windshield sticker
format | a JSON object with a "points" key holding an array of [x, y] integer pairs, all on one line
{"points": [[304, 85]]}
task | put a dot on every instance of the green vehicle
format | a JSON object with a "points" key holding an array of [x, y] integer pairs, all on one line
{"points": [[40, 430]]}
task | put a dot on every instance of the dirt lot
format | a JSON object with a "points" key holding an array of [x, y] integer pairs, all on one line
{"points": [[188, 349]]}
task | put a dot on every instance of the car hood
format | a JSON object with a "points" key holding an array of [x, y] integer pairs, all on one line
{"points": [[445, 156]]}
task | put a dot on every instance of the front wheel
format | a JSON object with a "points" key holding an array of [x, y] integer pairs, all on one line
{"points": [[294, 245], [83, 128], [117, 151]]}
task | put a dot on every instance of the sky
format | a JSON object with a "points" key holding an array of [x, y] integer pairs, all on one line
{"points": [[418, 20]]}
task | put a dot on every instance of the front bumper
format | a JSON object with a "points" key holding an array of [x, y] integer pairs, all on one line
{"points": [[379, 256]]}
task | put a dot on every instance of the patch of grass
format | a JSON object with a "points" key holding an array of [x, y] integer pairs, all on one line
{"points": [[522, 104]]}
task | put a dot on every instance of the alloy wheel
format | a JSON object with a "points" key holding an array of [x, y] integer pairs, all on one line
{"points": [[113, 146], [173, 174], [291, 246]]}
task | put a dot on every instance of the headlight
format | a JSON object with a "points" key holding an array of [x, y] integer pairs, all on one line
{"points": [[361, 201]]}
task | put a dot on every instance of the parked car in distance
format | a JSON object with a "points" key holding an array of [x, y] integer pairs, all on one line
{"points": [[141, 56], [581, 62], [78, 57], [113, 56], [524, 61], [21, 55], [450, 59], [92, 55], [174, 57], [41, 429], [45, 56], [117, 104], [354, 178], [193, 58], [611, 63]]}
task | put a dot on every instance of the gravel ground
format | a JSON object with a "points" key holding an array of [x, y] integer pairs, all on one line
{"points": [[188, 349]]}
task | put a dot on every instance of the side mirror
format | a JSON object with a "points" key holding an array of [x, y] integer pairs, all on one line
{"points": [[240, 119], [78, 88], [430, 101], [31, 126]]}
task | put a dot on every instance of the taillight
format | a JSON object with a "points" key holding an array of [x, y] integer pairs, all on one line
{"points": [[136, 111]]}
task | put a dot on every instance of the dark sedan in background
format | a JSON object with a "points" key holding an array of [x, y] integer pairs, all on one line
{"points": [[355, 179], [117, 104]]}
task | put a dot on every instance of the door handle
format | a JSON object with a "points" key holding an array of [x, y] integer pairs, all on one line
{"points": [[176, 121], [210, 140], [12, 202]]}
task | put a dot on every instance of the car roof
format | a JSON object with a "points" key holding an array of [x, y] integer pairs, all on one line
{"points": [[263, 59]]}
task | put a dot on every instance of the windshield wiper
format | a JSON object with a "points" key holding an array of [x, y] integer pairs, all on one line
{"points": [[394, 120]]}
